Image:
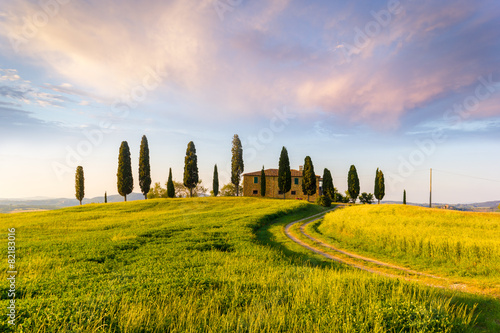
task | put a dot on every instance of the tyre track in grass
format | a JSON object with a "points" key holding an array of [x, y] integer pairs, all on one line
{"points": [[316, 248], [357, 256]]}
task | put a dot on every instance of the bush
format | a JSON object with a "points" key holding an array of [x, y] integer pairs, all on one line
{"points": [[324, 201], [366, 198]]}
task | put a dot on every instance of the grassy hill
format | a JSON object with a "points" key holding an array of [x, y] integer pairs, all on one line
{"points": [[35, 204], [206, 265]]}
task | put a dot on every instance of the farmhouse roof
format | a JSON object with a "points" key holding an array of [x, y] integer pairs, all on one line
{"points": [[274, 173]]}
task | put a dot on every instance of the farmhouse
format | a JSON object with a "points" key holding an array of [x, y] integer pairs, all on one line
{"points": [[251, 185]]}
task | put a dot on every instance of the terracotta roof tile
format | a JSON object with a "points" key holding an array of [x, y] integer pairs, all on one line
{"points": [[274, 173]]}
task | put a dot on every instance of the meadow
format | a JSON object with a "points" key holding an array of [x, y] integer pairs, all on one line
{"points": [[449, 243], [208, 265]]}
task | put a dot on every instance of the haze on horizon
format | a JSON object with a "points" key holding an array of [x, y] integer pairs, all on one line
{"points": [[404, 86]]}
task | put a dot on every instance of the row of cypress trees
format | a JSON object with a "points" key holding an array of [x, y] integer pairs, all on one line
{"points": [[285, 176], [125, 181], [309, 180]]}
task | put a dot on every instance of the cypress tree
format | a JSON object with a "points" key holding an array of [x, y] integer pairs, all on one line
{"points": [[236, 162], [144, 168], [190, 168], [284, 173], [170, 185], [262, 183], [404, 197], [379, 190], [215, 185], [328, 188], [308, 178], [125, 182], [353, 183], [79, 184], [105, 197]]}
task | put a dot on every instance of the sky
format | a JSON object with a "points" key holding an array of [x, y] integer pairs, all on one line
{"points": [[404, 86]]}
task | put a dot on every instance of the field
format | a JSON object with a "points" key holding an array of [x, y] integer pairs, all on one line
{"points": [[448, 243], [209, 265]]}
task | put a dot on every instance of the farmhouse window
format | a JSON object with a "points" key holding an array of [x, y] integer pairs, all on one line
{"points": [[255, 180]]}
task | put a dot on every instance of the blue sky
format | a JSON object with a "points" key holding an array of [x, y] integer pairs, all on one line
{"points": [[401, 85]]}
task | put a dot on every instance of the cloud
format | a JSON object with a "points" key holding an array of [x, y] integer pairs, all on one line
{"points": [[17, 123], [264, 54], [422, 56], [8, 75], [15, 88]]}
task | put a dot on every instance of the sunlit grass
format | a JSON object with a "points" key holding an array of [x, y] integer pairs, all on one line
{"points": [[455, 243], [204, 265]]}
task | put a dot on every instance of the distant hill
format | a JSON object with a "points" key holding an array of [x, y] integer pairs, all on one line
{"points": [[41, 203]]}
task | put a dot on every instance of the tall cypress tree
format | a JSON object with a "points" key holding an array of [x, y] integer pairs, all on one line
{"points": [[308, 178], [79, 184], [262, 183], [215, 185], [328, 188], [284, 173], [144, 168], [379, 190], [105, 197], [237, 166], [125, 179], [353, 183], [170, 185], [190, 168], [404, 197]]}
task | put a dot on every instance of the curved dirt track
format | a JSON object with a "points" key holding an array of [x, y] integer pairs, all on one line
{"points": [[353, 260], [376, 266]]}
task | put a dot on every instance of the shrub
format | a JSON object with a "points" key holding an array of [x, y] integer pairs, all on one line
{"points": [[324, 201]]}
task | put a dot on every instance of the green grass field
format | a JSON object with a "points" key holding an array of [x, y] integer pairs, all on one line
{"points": [[448, 243], [208, 265]]}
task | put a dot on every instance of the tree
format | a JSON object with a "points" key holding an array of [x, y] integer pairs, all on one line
{"points": [[190, 168], [379, 190], [237, 166], [170, 185], [308, 178], [347, 197], [144, 168], [404, 197], [263, 182], [105, 197], [353, 183], [228, 190], [182, 191], [79, 184], [328, 189], [157, 192], [215, 185], [366, 198], [324, 201], [124, 175], [284, 173]]}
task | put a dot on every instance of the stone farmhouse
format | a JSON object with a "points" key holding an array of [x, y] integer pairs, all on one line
{"points": [[251, 185]]}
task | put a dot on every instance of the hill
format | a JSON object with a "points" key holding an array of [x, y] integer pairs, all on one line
{"points": [[205, 265], [40, 203]]}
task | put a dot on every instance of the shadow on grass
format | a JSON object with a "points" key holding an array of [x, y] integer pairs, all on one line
{"points": [[487, 308], [265, 237]]}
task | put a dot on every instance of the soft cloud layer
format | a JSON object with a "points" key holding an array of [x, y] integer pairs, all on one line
{"points": [[255, 56]]}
